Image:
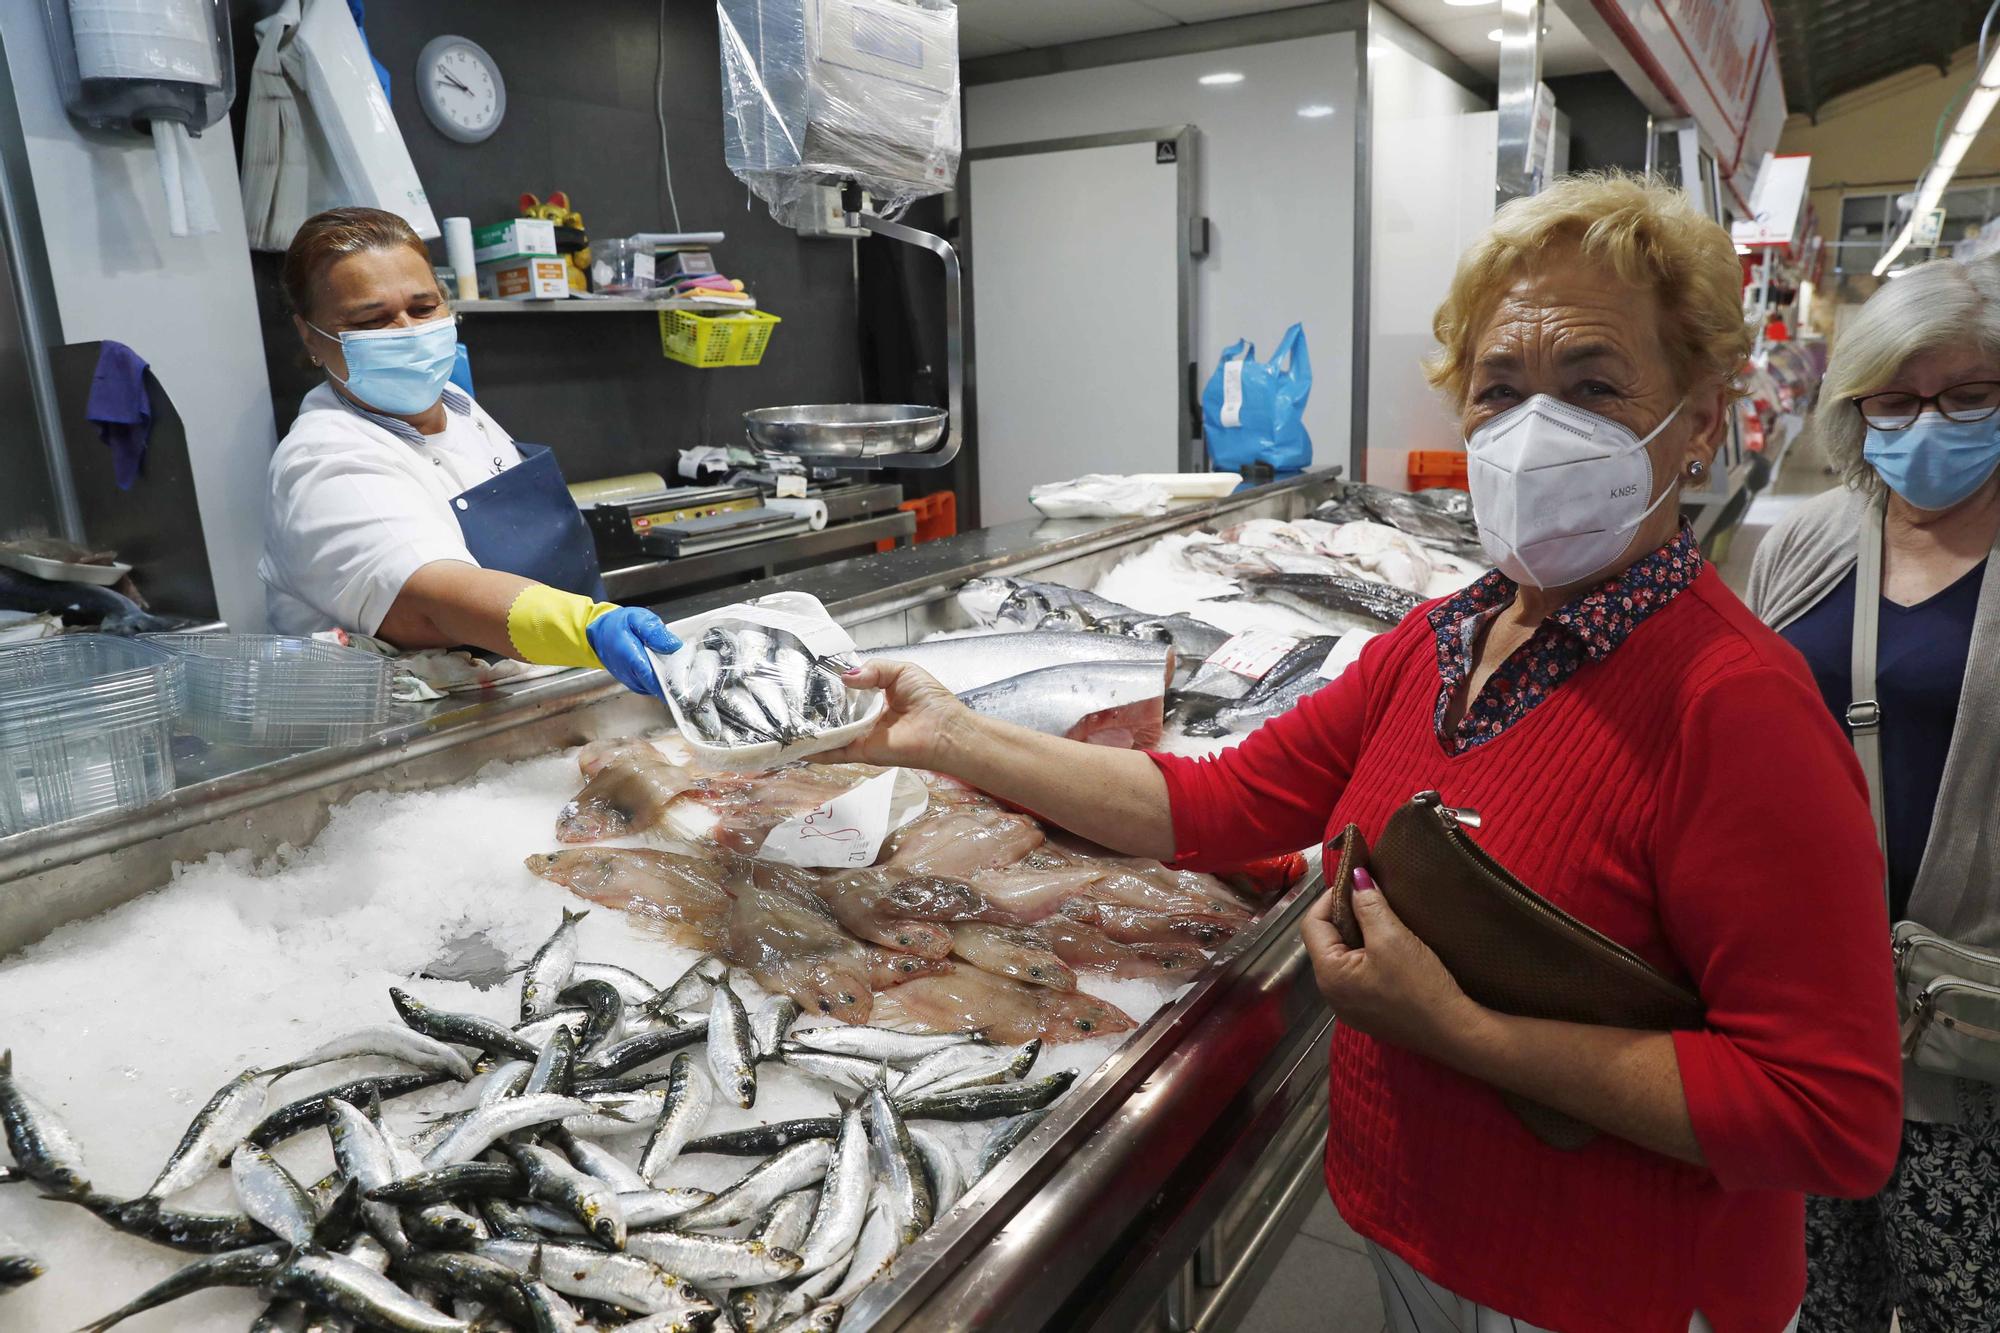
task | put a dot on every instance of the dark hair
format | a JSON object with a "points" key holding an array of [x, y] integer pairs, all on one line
{"points": [[329, 237]]}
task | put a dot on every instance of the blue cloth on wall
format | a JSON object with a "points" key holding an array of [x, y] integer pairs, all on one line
{"points": [[355, 8], [121, 407]]}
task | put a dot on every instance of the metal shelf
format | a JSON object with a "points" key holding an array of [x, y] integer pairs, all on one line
{"points": [[587, 305]]}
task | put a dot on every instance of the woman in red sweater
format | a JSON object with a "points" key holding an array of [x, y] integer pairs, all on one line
{"points": [[1644, 753]]}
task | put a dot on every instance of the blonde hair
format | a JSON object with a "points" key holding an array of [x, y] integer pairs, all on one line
{"points": [[1942, 303], [1649, 234]]}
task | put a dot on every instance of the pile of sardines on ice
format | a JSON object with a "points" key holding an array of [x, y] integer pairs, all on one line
{"points": [[745, 684], [917, 992]]}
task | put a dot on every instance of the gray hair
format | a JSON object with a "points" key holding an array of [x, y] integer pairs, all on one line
{"points": [[1939, 304]]}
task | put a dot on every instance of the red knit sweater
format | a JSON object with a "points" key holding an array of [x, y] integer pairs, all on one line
{"points": [[1689, 796]]}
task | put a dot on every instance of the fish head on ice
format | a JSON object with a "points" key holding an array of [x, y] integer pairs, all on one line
{"points": [[933, 898], [1078, 1016]]}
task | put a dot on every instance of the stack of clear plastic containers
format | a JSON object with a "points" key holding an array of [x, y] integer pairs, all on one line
{"points": [[86, 722], [270, 691]]}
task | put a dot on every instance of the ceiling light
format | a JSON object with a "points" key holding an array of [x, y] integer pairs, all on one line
{"points": [[1469, 4], [1979, 103], [1317, 111], [1496, 35], [1221, 79]]}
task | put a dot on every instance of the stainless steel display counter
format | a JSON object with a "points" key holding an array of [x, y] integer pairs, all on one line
{"points": [[1145, 1200]]}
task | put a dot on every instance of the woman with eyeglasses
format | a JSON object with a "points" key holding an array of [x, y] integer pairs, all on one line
{"points": [[398, 507], [1909, 413]]}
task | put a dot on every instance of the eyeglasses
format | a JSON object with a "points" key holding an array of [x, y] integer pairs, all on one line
{"points": [[1974, 400]]}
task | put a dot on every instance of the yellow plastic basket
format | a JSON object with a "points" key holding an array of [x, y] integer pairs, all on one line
{"points": [[737, 338]]}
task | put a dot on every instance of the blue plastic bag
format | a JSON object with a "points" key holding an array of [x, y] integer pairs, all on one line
{"points": [[1254, 412]]}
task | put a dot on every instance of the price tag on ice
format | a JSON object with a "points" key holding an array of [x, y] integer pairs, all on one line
{"points": [[1253, 652], [1344, 652], [849, 830]]}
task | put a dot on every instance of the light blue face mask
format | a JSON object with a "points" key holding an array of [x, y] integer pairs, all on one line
{"points": [[401, 371], [1936, 462]]}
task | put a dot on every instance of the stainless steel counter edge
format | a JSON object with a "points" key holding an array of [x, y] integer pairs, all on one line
{"points": [[854, 590]]}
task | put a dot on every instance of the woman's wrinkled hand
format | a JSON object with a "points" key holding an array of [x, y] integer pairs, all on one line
{"points": [[918, 715], [1393, 988]]}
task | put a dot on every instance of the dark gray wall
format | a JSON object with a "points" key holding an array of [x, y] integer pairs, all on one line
{"points": [[580, 118], [1607, 125]]}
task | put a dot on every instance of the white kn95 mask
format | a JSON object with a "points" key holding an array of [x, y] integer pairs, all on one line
{"points": [[1557, 491]]}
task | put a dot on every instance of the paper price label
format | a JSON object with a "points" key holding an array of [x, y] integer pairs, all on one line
{"points": [[848, 831], [1253, 652], [1232, 394]]}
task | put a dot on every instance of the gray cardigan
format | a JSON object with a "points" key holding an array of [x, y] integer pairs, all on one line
{"points": [[1957, 893]]}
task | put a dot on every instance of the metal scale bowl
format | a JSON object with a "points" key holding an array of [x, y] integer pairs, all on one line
{"points": [[878, 435]]}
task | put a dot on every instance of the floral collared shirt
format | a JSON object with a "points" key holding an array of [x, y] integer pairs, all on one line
{"points": [[1584, 630]]}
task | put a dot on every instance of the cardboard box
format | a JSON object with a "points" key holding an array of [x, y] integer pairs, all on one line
{"points": [[512, 239], [531, 278]]}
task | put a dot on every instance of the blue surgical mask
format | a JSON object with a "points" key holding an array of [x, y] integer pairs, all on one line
{"points": [[402, 371], [1936, 462]]}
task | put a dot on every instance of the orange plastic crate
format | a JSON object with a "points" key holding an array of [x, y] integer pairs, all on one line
{"points": [[937, 516], [1431, 468]]}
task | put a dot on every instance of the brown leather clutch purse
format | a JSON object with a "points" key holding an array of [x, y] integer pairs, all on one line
{"points": [[1508, 947]]}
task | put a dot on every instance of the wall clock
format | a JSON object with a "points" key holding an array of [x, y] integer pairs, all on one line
{"points": [[461, 89]]}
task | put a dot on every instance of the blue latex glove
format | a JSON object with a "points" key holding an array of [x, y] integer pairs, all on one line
{"points": [[620, 639]]}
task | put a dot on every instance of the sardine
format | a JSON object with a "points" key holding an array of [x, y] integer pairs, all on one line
{"points": [[732, 1051], [592, 1202], [42, 1145], [623, 1280], [443, 1226], [941, 1169], [225, 1121], [901, 1170], [966, 1067], [974, 661], [504, 1081], [460, 1180], [555, 1069], [388, 1041], [17, 1266], [761, 1140], [617, 1113], [880, 1045], [477, 1132], [988, 1103], [785, 1225], [472, 1277], [792, 1168], [643, 1209], [844, 1071], [606, 1008], [361, 1151], [309, 1111], [628, 794], [822, 1318], [549, 969], [632, 988], [1010, 952], [875, 1249], [714, 1259], [640, 1048], [1006, 1138], [843, 1197], [339, 1283], [536, 1031], [768, 1026], [197, 1232], [594, 1159], [689, 1097], [460, 1029], [673, 894], [270, 1195]]}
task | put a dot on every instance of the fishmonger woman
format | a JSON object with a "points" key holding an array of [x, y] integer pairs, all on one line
{"points": [[1644, 753], [398, 507]]}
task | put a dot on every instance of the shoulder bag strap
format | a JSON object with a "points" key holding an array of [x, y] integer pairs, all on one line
{"points": [[1864, 715]]}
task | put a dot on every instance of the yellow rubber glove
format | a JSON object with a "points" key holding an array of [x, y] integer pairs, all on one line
{"points": [[548, 626], [563, 629]]}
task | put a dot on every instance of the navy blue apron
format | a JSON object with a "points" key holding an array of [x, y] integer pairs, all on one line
{"points": [[523, 521]]}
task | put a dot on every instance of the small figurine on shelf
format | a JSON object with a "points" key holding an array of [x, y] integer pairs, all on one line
{"points": [[571, 241]]}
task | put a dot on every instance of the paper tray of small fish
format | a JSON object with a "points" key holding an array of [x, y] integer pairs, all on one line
{"points": [[355, 1167], [759, 683]]}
